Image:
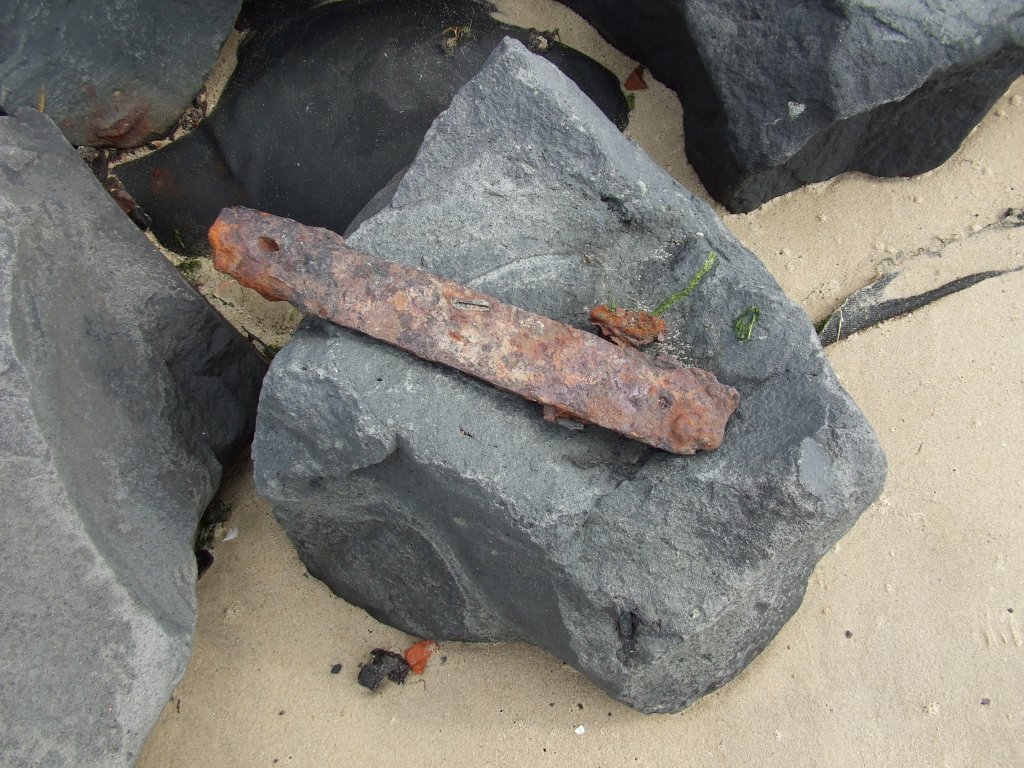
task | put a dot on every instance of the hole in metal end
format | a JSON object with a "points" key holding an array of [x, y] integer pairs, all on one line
{"points": [[267, 244]]}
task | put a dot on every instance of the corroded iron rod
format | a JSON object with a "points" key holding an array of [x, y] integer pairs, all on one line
{"points": [[655, 400]]}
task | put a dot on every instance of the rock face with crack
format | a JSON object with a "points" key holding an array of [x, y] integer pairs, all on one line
{"points": [[326, 106], [122, 395], [453, 510], [783, 93], [112, 78]]}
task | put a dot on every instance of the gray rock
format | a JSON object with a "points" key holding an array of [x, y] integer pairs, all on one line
{"points": [[121, 394], [781, 93], [112, 76], [452, 510]]}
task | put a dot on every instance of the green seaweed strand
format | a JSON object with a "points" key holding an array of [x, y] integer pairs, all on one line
{"points": [[743, 326], [709, 262]]}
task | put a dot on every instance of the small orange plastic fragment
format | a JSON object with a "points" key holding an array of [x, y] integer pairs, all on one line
{"points": [[418, 654]]}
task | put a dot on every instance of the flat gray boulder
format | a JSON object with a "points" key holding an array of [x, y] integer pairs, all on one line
{"points": [[111, 74], [454, 511], [122, 393], [780, 93]]}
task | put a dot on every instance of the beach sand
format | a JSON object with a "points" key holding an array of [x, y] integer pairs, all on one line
{"points": [[909, 647]]}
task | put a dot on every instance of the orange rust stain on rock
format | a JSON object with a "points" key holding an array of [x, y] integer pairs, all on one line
{"points": [[124, 129], [119, 119]]}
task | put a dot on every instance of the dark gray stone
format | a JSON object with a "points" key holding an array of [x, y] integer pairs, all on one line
{"points": [[452, 510], [324, 108], [782, 93], [116, 74], [121, 394]]}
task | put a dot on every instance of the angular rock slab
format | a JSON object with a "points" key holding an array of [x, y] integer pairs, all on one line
{"points": [[782, 93], [121, 394], [324, 108], [453, 511], [115, 76]]}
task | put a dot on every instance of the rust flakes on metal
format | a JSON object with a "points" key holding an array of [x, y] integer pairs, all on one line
{"points": [[655, 400], [628, 327]]}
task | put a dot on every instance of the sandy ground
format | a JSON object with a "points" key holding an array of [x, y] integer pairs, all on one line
{"points": [[909, 647]]}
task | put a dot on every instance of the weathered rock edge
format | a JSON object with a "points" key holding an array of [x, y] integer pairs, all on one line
{"points": [[116, 76], [121, 394], [783, 93], [453, 511]]}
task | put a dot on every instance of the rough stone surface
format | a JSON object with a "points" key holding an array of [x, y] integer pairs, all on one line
{"points": [[324, 108], [115, 75], [453, 510], [781, 93], [121, 394]]}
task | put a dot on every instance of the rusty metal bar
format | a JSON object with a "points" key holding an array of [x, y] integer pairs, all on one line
{"points": [[655, 400]]}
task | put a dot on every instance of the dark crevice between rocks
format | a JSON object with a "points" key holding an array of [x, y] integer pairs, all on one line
{"points": [[209, 531]]}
